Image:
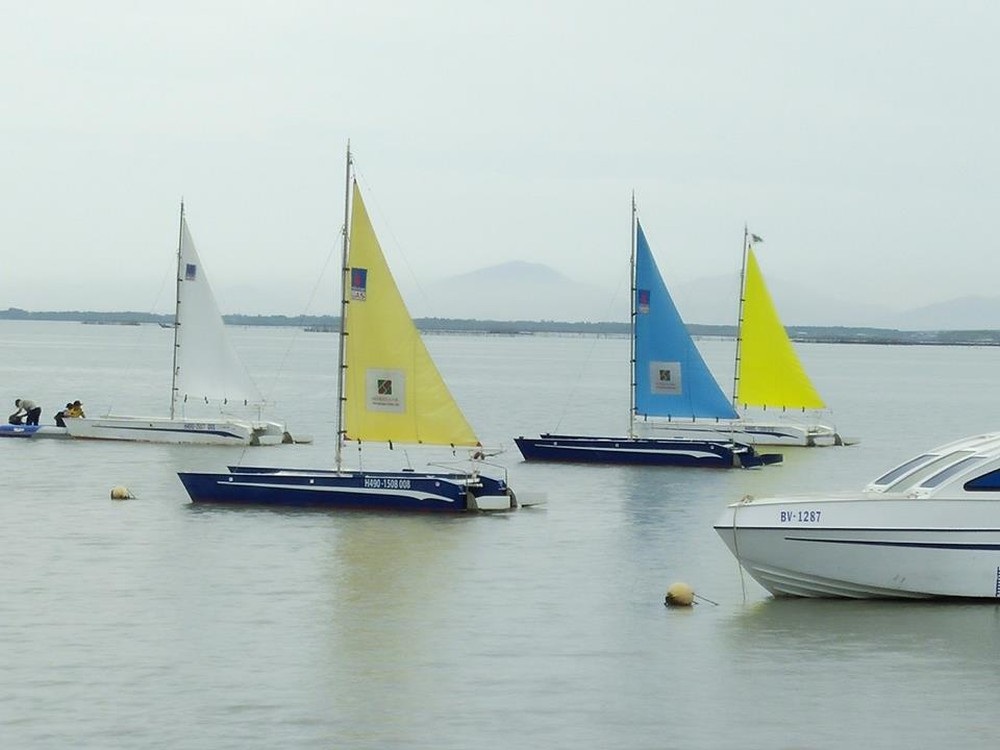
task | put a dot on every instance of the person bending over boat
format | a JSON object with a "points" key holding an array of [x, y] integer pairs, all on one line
{"points": [[27, 412], [75, 409], [61, 415]]}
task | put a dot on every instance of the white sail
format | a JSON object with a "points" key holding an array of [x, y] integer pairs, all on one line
{"points": [[208, 368]]}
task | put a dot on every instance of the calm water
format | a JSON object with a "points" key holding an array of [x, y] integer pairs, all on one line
{"points": [[152, 623]]}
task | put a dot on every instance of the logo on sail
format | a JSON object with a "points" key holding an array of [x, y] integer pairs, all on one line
{"points": [[643, 301], [665, 378], [359, 284], [385, 390], [190, 271]]}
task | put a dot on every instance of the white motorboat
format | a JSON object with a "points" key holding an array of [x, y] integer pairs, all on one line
{"points": [[928, 528]]}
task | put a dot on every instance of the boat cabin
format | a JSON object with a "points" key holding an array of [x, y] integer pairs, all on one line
{"points": [[970, 465]]}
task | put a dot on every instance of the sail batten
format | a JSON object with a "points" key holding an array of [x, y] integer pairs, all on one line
{"points": [[393, 391], [770, 372], [671, 377]]}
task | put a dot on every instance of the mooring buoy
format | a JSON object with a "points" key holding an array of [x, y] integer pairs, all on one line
{"points": [[679, 595]]}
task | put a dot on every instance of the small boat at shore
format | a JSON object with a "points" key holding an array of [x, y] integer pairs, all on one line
{"points": [[32, 431], [929, 528]]}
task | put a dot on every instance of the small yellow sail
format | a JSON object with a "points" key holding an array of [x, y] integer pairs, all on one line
{"points": [[393, 390], [770, 373]]}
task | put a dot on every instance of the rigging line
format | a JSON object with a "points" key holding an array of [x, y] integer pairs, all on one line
{"points": [[243, 452], [375, 210], [320, 280], [575, 387]]}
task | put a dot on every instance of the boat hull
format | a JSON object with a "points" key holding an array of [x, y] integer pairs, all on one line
{"points": [[368, 490], [177, 431], [864, 547], [641, 451], [32, 431], [752, 433]]}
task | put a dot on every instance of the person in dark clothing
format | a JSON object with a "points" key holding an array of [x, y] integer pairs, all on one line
{"points": [[26, 411], [62, 414]]}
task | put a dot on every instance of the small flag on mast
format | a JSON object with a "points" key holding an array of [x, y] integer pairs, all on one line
{"points": [[756, 237]]}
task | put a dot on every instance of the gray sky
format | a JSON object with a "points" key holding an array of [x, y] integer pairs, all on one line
{"points": [[858, 138]]}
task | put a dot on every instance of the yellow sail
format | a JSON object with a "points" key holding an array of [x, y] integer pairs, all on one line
{"points": [[770, 373], [392, 388]]}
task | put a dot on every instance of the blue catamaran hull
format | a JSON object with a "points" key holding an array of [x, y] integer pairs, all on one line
{"points": [[368, 490], [642, 451]]}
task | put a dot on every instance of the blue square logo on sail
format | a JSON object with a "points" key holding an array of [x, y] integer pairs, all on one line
{"points": [[642, 296], [190, 272], [359, 284]]}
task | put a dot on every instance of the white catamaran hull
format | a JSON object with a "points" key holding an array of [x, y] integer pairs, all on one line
{"points": [[165, 430], [744, 431], [863, 547]]}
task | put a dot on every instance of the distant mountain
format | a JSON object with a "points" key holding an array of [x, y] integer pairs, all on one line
{"points": [[517, 290], [525, 291], [713, 301], [521, 290], [964, 313]]}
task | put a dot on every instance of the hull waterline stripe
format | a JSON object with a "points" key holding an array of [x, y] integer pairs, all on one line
{"points": [[338, 490], [218, 433], [883, 543]]}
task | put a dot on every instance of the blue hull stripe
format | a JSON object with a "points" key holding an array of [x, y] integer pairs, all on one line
{"points": [[771, 433], [181, 430], [883, 543]]}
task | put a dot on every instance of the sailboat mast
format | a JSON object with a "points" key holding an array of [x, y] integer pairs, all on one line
{"points": [[739, 316], [631, 333], [177, 311], [344, 271]]}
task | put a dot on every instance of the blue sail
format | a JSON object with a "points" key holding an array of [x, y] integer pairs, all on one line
{"points": [[671, 378]]}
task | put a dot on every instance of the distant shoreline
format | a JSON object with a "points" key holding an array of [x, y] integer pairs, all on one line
{"points": [[328, 323]]}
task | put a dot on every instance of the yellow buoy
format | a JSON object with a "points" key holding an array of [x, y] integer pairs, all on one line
{"points": [[679, 595], [121, 493]]}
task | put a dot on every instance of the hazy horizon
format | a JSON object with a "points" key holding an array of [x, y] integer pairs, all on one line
{"points": [[543, 294], [856, 138]]}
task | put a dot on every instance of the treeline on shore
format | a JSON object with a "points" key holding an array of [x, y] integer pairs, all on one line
{"points": [[819, 334]]}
